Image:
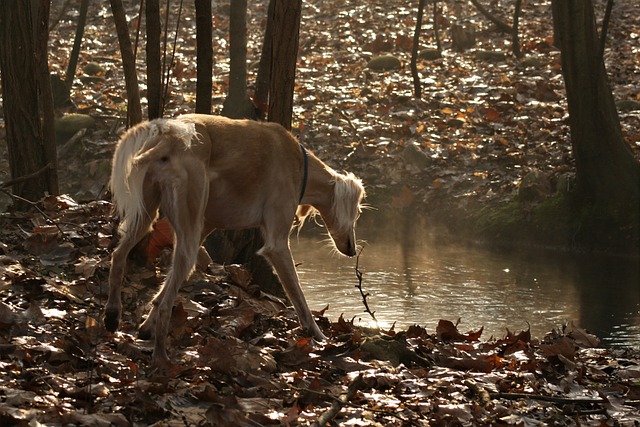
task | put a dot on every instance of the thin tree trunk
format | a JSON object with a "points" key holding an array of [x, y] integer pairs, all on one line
{"points": [[77, 43], [436, 26], [286, 24], [241, 246], [237, 105], [134, 110], [417, 87], [204, 53], [46, 97], [154, 63], [263, 79], [515, 38]]}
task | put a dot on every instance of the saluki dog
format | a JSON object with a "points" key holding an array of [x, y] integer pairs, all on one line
{"points": [[205, 172]]}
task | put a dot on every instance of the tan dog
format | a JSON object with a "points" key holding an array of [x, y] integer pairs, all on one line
{"points": [[206, 172]]}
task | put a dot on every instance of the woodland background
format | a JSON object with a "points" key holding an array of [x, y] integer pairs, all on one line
{"points": [[487, 142]]}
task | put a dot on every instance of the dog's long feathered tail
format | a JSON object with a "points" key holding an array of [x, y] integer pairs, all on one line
{"points": [[136, 148]]}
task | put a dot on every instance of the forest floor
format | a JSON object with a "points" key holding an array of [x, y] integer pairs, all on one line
{"points": [[486, 120]]}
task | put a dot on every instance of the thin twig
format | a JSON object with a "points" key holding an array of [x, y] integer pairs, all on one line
{"points": [[26, 177], [359, 286], [351, 125], [47, 218]]}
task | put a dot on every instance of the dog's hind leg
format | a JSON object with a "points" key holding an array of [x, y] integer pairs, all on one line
{"points": [[132, 234], [184, 207]]}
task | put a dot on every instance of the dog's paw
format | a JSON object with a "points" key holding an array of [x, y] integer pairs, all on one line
{"points": [[111, 320]]}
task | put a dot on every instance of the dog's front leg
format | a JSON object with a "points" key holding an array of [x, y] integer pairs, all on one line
{"points": [[280, 257]]}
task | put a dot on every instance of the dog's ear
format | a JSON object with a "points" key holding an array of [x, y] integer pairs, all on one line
{"points": [[302, 213]]}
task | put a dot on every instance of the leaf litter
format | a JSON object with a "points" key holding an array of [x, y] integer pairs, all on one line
{"points": [[240, 358]]}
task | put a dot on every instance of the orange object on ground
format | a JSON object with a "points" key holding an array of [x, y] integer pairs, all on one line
{"points": [[161, 237]]}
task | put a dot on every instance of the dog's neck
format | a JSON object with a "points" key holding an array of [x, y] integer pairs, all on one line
{"points": [[319, 189]]}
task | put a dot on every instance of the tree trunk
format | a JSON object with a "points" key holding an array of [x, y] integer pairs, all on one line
{"points": [[417, 86], [237, 105], [134, 110], [286, 25], [77, 43], [47, 112], [263, 79], [154, 63], [27, 99], [241, 246], [607, 174], [204, 53]]}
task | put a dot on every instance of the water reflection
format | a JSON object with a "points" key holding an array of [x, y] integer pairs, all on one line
{"points": [[420, 283]]}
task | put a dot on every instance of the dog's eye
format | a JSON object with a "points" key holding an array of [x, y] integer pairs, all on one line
{"points": [[164, 159]]}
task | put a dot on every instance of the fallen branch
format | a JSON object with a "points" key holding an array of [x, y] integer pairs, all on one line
{"points": [[340, 402], [553, 399], [26, 177], [506, 28]]}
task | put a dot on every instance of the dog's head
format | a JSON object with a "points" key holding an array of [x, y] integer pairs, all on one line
{"points": [[348, 193]]}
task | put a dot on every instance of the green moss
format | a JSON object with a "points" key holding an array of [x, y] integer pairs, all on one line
{"points": [[69, 124], [498, 221], [384, 63], [548, 223]]}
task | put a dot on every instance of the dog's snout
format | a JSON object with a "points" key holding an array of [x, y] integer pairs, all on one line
{"points": [[350, 248]]}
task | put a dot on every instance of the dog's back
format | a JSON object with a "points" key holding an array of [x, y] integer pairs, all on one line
{"points": [[250, 165]]}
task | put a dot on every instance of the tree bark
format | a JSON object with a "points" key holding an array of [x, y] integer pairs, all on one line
{"points": [[241, 246], [204, 53], [154, 63], [263, 79], [27, 99], [607, 174], [47, 112], [284, 56], [134, 110], [237, 105], [417, 86], [77, 43]]}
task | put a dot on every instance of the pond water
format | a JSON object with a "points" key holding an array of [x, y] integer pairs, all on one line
{"points": [[422, 280]]}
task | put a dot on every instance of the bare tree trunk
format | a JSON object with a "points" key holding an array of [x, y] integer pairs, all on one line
{"points": [[27, 99], [417, 87], [515, 38], [204, 52], [134, 110], [154, 63], [46, 97], [237, 105], [607, 174], [263, 79], [241, 246], [286, 24], [436, 26], [77, 43]]}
